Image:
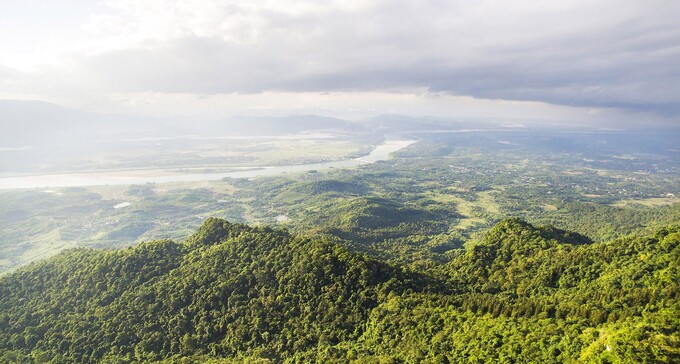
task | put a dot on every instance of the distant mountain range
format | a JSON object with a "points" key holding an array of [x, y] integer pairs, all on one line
{"points": [[36, 123]]}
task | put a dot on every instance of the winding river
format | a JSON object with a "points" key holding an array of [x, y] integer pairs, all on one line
{"points": [[129, 177]]}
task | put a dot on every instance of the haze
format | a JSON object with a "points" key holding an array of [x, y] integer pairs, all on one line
{"points": [[587, 63]]}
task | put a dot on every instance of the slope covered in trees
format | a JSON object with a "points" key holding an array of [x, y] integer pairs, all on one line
{"points": [[529, 294], [231, 292]]}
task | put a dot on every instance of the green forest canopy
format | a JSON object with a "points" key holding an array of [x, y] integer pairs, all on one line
{"points": [[235, 293]]}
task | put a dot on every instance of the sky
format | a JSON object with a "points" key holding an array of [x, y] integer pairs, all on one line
{"points": [[594, 62]]}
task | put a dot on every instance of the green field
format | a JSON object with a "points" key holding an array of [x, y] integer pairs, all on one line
{"points": [[435, 189]]}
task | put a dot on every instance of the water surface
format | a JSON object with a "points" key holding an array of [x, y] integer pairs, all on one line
{"points": [[129, 177]]}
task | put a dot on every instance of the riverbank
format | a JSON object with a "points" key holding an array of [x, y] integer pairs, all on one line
{"points": [[130, 177]]}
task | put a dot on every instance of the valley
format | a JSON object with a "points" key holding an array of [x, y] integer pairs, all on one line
{"points": [[351, 182], [559, 252], [451, 186]]}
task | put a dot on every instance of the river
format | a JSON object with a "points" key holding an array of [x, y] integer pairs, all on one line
{"points": [[130, 177]]}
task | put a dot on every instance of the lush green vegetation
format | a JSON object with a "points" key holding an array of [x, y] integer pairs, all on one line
{"points": [[234, 293], [430, 199], [407, 260]]}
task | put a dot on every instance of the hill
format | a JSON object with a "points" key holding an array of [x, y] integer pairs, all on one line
{"points": [[244, 125], [229, 289], [234, 293]]}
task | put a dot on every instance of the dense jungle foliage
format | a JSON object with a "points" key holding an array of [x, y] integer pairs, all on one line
{"points": [[235, 293]]}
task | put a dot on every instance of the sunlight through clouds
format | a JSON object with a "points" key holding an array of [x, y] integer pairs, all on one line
{"points": [[604, 54]]}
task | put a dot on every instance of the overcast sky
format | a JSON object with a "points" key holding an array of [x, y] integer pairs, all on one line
{"points": [[585, 62]]}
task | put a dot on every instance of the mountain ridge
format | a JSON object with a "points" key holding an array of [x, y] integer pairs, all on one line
{"points": [[235, 293]]}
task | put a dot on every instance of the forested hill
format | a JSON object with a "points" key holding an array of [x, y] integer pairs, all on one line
{"points": [[229, 289], [234, 293]]}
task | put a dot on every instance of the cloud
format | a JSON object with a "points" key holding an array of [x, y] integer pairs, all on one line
{"points": [[7, 73], [591, 54]]}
